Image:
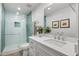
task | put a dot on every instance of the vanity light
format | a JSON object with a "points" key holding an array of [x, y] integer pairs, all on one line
{"points": [[49, 8]]}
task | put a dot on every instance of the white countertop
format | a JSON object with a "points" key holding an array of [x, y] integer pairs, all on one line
{"points": [[68, 49]]}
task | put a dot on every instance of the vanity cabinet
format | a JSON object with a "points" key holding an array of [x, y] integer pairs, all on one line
{"points": [[32, 48], [38, 49]]}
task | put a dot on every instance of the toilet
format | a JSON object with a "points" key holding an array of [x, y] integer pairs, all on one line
{"points": [[24, 49], [14, 52], [21, 50]]}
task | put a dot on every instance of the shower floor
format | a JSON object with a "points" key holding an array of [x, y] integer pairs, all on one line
{"points": [[11, 51]]}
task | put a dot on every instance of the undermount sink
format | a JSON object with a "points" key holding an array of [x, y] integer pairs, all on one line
{"points": [[55, 42]]}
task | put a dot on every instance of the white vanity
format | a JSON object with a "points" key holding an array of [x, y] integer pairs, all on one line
{"points": [[48, 46]]}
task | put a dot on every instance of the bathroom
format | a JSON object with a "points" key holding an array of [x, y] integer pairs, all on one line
{"points": [[35, 29]]}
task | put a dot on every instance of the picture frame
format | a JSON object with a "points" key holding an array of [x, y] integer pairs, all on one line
{"points": [[65, 23], [55, 24]]}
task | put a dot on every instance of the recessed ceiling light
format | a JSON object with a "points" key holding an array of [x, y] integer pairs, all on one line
{"points": [[49, 8], [19, 8]]}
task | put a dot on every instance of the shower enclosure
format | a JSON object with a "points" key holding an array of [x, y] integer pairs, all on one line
{"points": [[15, 29]]}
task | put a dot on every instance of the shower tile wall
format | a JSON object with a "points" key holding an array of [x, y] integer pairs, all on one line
{"points": [[0, 23], [3, 29], [14, 35], [29, 25]]}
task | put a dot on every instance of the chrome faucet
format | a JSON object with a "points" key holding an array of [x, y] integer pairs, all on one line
{"points": [[61, 35], [56, 35]]}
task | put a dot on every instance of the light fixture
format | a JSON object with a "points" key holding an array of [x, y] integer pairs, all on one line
{"points": [[49, 8], [19, 8]]}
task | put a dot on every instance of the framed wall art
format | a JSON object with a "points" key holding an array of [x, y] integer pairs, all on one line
{"points": [[55, 24], [65, 23]]}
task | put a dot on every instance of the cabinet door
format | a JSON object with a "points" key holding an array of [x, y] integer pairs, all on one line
{"points": [[32, 48], [31, 51], [42, 52]]}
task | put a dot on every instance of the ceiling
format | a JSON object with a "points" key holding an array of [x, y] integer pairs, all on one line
{"points": [[54, 8], [25, 7]]}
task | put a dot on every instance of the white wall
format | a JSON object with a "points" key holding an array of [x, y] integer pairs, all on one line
{"points": [[65, 13], [14, 35]]}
